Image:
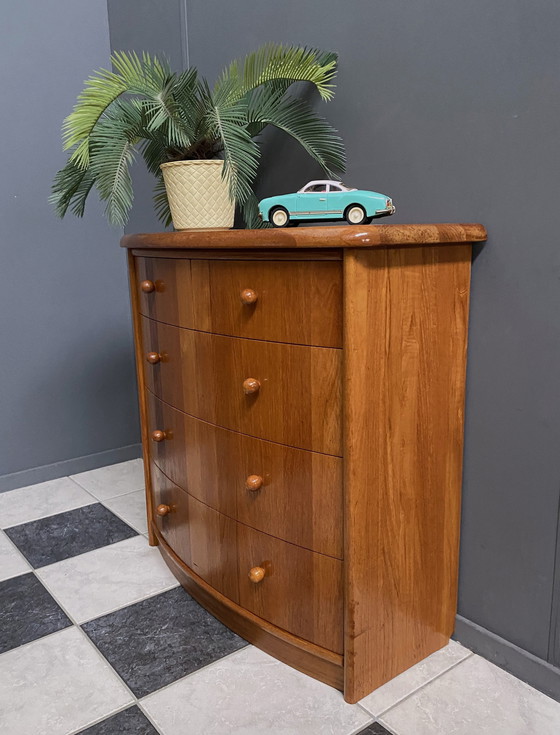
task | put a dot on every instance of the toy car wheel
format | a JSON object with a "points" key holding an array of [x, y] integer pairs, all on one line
{"points": [[279, 217], [355, 214]]}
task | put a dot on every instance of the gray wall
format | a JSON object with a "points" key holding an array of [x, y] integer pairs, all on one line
{"points": [[453, 110], [67, 382]]}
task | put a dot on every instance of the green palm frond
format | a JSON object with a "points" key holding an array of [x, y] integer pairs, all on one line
{"points": [[241, 153], [141, 105], [297, 118], [161, 203], [282, 66], [70, 189], [250, 213], [186, 94], [113, 143], [101, 89], [155, 151], [134, 75]]}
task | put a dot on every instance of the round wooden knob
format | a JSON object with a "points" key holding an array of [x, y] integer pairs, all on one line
{"points": [[254, 482], [153, 357], [163, 510], [248, 296], [147, 286], [251, 385], [158, 435], [256, 574]]}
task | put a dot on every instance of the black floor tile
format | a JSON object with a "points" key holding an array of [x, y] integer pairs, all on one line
{"points": [[27, 612], [68, 534], [161, 639], [374, 729], [129, 722]]}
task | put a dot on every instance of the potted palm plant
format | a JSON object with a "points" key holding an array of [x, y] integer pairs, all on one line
{"points": [[202, 143]]}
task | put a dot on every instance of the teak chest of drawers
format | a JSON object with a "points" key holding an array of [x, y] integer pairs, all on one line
{"points": [[301, 395]]}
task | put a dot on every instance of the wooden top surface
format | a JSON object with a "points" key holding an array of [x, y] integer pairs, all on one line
{"points": [[342, 236]]}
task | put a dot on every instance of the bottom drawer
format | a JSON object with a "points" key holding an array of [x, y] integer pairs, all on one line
{"points": [[201, 537], [296, 589]]}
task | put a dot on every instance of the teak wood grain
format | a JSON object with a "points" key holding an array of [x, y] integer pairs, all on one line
{"points": [[222, 552], [301, 590], [297, 302], [301, 654], [363, 236], [142, 405], [405, 317], [203, 538], [299, 499], [274, 422], [298, 402]]}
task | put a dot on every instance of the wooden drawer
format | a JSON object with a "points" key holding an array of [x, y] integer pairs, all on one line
{"points": [[300, 499], [289, 301], [203, 538], [301, 591], [298, 402]]}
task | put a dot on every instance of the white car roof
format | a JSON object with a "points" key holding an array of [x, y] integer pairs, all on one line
{"points": [[323, 181]]}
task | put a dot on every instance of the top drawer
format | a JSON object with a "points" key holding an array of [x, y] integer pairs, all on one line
{"points": [[280, 301]]}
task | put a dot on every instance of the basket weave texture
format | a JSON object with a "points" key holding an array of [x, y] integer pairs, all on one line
{"points": [[198, 195]]}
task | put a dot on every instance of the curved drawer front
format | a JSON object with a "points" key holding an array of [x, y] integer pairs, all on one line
{"points": [[290, 493], [201, 537], [282, 301], [289, 394], [294, 588]]}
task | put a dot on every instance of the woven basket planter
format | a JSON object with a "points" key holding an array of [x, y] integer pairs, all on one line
{"points": [[198, 195]]}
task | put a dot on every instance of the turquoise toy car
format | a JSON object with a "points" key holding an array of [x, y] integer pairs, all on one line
{"points": [[325, 200]]}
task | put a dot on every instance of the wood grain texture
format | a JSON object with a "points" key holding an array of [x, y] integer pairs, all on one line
{"points": [[203, 538], [302, 655], [299, 499], [343, 236], [299, 402], [301, 591], [360, 557], [223, 553], [297, 302], [316, 254], [139, 355], [405, 320]]}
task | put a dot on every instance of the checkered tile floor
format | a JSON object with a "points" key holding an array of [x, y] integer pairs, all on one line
{"points": [[97, 637]]}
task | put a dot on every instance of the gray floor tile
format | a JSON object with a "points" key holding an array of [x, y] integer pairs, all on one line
{"points": [[251, 693], [27, 612], [128, 722], [161, 639], [12, 562], [104, 580], [475, 697], [62, 536], [113, 480], [131, 508], [376, 728], [57, 685], [386, 696], [44, 499]]}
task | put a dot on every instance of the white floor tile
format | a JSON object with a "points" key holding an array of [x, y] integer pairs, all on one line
{"points": [[37, 501], [56, 685], [417, 676], [131, 508], [116, 479], [475, 697], [12, 563], [97, 582], [250, 693]]}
